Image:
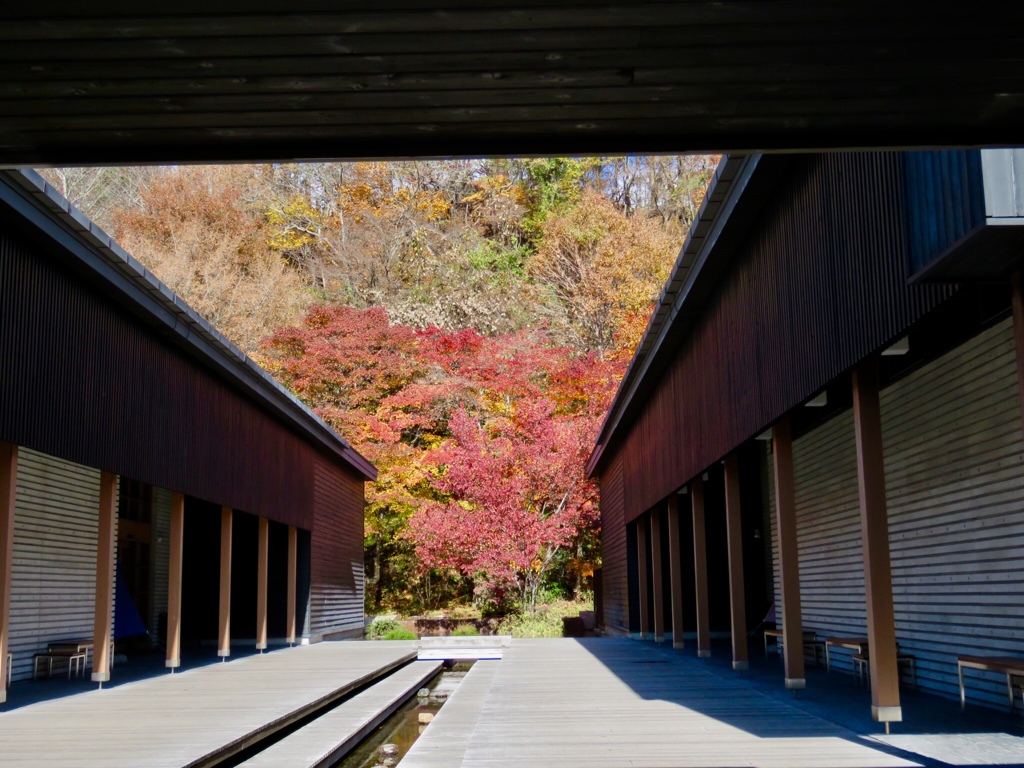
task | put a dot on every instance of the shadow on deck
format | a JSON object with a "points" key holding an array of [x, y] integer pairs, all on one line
{"points": [[934, 731], [140, 665]]}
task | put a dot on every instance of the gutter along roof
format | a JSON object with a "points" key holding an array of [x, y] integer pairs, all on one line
{"points": [[133, 286], [724, 215]]}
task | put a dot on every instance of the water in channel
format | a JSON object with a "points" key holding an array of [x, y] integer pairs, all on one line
{"points": [[404, 727]]}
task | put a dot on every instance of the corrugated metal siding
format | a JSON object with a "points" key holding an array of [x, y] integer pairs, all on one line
{"points": [[953, 462], [128, 401], [161, 549], [336, 589], [819, 283], [53, 588], [828, 525], [613, 547]]}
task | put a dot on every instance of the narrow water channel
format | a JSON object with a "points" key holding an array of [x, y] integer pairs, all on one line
{"points": [[404, 727]]}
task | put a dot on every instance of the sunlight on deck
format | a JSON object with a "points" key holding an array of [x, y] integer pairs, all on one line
{"points": [[602, 703]]}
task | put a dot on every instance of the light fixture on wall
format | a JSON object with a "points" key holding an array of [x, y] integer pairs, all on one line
{"points": [[901, 347], [820, 400]]}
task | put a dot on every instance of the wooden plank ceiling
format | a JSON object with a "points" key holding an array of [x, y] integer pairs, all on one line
{"points": [[114, 82]]}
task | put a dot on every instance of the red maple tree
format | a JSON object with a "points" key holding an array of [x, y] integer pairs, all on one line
{"points": [[480, 441]]}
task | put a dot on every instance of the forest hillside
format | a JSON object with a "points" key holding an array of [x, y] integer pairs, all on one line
{"points": [[463, 323]]}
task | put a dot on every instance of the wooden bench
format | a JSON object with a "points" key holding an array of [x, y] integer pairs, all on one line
{"points": [[861, 661], [814, 647], [75, 662], [84, 645], [1012, 667], [855, 644]]}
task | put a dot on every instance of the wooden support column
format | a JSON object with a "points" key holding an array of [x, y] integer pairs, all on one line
{"points": [[103, 617], [293, 579], [641, 569], [734, 531], [8, 488], [657, 581], [874, 526], [700, 568], [177, 543], [224, 625], [789, 566], [675, 568], [261, 584]]}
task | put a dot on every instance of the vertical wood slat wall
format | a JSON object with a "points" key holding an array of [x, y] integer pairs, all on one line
{"points": [[613, 548], [818, 284], [336, 589], [954, 465], [55, 535]]}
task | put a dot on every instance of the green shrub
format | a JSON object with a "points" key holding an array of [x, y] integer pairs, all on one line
{"points": [[380, 626], [464, 612], [465, 630], [400, 634], [546, 622]]}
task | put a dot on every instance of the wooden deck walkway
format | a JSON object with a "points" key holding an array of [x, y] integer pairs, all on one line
{"points": [[605, 703], [334, 734], [180, 720], [445, 741]]}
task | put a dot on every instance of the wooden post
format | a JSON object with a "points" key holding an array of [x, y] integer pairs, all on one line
{"points": [[700, 568], [641, 563], [103, 617], [675, 568], [657, 581], [789, 566], [293, 578], [734, 531], [261, 585], [8, 493], [224, 626], [174, 581], [874, 525]]}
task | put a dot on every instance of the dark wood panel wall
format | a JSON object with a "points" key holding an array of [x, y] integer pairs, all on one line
{"points": [[83, 380], [614, 567], [336, 589], [818, 284]]}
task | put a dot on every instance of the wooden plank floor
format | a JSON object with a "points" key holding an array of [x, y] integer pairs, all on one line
{"points": [[444, 742], [171, 721], [334, 734], [608, 703]]}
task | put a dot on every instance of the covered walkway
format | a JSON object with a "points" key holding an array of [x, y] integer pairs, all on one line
{"points": [[618, 702]]}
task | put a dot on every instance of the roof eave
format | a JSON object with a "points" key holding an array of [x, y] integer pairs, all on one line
{"points": [[116, 267], [726, 187]]}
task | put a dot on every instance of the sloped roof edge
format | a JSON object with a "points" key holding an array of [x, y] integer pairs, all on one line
{"points": [[725, 190], [29, 193]]}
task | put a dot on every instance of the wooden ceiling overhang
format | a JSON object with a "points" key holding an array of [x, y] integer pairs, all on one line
{"points": [[111, 82]]}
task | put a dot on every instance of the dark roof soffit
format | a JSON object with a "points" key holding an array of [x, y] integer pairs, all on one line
{"points": [[114, 266], [724, 191]]}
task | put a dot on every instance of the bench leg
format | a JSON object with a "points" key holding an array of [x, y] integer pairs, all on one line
{"points": [[963, 697]]}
